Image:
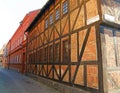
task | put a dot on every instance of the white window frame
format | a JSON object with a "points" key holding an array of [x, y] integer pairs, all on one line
{"points": [[51, 19], [57, 14], [65, 7], [46, 23], [20, 40]]}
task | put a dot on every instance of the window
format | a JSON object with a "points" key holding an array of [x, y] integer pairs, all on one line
{"points": [[25, 37], [17, 59], [66, 51], [51, 54], [65, 7], [46, 55], [57, 14], [46, 23], [57, 52], [51, 19], [20, 58], [20, 40], [30, 60], [37, 59], [34, 57], [40, 55]]}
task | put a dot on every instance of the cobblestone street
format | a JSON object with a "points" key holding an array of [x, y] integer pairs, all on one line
{"points": [[13, 82]]}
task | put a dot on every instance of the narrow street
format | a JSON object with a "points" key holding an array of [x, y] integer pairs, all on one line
{"points": [[13, 82]]}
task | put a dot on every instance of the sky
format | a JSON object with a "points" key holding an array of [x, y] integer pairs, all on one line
{"points": [[11, 14]]}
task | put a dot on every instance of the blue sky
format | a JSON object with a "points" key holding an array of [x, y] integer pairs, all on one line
{"points": [[12, 12]]}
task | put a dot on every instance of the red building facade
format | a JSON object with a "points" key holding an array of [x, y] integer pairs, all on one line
{"points": [[16, 47]]}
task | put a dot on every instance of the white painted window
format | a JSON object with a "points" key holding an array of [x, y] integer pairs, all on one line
{"points": [[57, 14], [20, 40], [65, 7], [25, 37], [51, 19], [46, 23], [17, 58], [20, 58]]}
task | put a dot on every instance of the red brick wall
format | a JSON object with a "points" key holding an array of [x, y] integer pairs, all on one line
{"points": [[17, 45]]}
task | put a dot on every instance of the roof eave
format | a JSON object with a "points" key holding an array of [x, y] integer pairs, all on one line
{"points": [[46, 6]]}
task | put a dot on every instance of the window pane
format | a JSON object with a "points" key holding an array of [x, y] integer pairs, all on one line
{"points": [[46, 23], [66, 51], [51, 19], [57, 52], [41, 55], [57, 15], [65, 7], [51, 54], [46, 55]]}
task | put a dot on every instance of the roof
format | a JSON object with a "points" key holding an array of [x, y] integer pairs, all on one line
{"points": [[27, 20], [46, 6]]}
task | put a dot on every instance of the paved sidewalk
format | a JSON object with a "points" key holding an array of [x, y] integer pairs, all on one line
{"points": [[13, 82]]}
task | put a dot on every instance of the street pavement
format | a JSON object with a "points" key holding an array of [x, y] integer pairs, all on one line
{"points": [[14, 82]]}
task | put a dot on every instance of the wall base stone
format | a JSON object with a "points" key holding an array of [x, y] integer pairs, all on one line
{"points": [[56, 85]]}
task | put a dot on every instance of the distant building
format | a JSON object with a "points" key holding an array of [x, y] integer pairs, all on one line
{"points": [[16, 47], [4, 59], [1, 56], [2, 53]]}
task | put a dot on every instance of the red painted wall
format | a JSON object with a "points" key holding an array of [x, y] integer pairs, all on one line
{"points": [[17, 44]]}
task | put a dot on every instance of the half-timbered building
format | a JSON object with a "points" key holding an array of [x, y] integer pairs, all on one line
{"points": [[76, 43]]}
